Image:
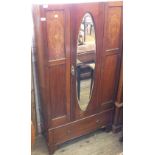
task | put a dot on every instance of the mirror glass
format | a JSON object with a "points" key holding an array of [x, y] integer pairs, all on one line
{"points": [[85, 61]]}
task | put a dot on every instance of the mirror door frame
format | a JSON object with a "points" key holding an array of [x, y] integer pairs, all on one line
{"points": [[77, 13]]}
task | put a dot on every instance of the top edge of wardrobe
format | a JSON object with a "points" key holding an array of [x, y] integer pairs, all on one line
{"points": [[59, 2]]}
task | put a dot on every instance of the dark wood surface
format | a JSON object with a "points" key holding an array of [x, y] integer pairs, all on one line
{"points": [[81, 127], [56, 31], [111, 53], [58, 62]]}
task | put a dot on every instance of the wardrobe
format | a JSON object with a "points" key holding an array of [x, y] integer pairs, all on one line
{"points": [[79, 52]]}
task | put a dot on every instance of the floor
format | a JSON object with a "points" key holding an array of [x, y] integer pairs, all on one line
{"points": [[84, 93], [96, 143]]}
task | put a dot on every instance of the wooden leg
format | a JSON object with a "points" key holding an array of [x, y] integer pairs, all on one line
{"points": [[118, 119], [52, 149], [50, 141], [116, 128]]}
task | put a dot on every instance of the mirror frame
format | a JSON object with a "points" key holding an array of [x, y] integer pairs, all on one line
{"points": [[94, 72]]}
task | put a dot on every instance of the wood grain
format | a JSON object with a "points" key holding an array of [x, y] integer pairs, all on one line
{"points": [[108, 78], [57, 90], [81, 127], [56, 41], [55, 34], [113, 27]]}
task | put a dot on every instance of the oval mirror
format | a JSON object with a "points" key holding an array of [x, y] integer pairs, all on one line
{"points": [[85, 61]]}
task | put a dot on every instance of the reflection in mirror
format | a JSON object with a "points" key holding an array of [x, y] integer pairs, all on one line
{"points": [[85, 61]]}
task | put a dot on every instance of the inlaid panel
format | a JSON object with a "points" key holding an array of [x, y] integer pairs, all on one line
{"points": [[55, 34], [56, 55], [108, 78], [113, 27], [58, 90]]}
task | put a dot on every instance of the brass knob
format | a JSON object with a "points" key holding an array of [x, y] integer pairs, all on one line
{"points": [[72, 70]]}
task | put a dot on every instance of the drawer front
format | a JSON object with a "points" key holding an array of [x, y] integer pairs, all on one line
{"points": [[82, 127]]}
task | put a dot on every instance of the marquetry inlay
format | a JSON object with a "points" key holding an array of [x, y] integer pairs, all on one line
{"points": [[113, 27], [55, 34]]}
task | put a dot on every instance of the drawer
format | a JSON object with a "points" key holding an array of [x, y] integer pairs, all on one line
{"points": [[81, 127]]}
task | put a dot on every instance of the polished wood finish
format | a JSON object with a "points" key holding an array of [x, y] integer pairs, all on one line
{"points": [[97, 13], [55, 28], [111, 53], [81, 127], [112, 33], [56, 31]]}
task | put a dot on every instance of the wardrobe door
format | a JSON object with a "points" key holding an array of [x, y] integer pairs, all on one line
{"points": [[56, 32], [111, 54], [85, 58]]}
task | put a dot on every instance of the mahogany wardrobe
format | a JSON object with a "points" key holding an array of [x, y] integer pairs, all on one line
{"points": [[79, 52]]}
